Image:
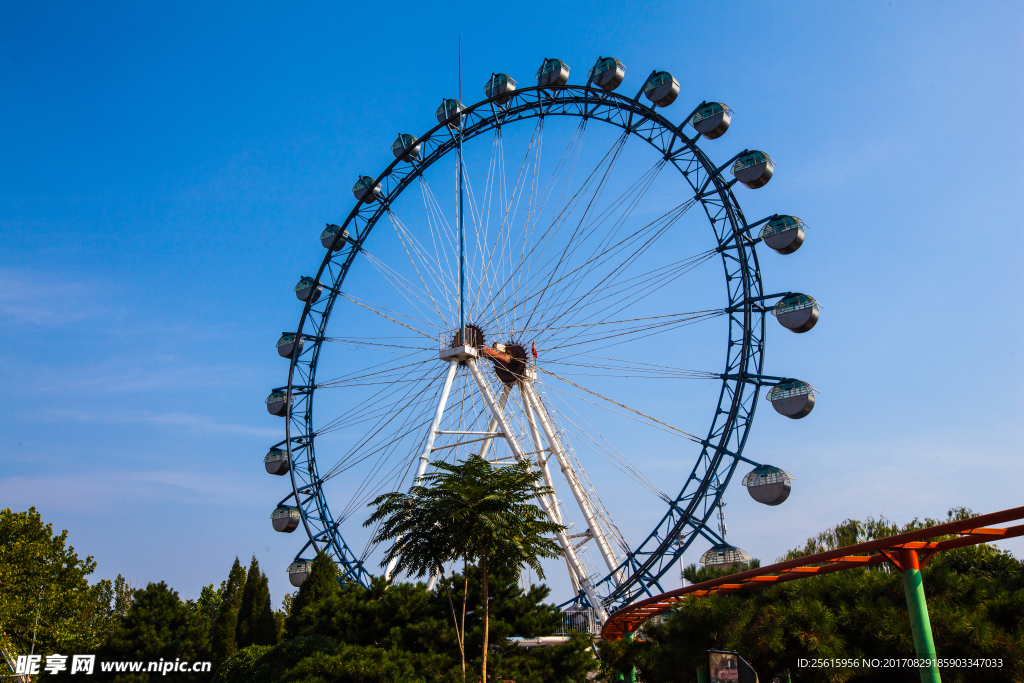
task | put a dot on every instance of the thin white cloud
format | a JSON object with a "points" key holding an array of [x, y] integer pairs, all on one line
{"points": [[94, 492], [139, 374], [187, 421], [33, 298]]}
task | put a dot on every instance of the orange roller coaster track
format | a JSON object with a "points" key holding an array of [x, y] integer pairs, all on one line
{"points": [[902, 550]]}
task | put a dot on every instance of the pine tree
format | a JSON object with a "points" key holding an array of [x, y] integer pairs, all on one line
{"points": [[321, 584], [158, 625], [256, 625], [223, 636]]}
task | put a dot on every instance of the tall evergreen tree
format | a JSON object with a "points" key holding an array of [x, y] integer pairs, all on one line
{"points": [[321, 584], [223, 642], [256, 623]]}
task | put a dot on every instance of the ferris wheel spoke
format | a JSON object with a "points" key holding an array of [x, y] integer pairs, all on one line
{"points": [[510, 204], [537, 197], [403, 287], [444, 241], [637, 286], [629, 365], [376, 407], [404, 351], [374, 483], [632, 247], [598, 183], [371, 437], [565, 345], [584, 229], [479, 217], [628, 335], [383, 376], [605, 450], [378, 310], [570, 280], [536, 247], [561, 178], [406, 239], [605, 310], [663, 425]]}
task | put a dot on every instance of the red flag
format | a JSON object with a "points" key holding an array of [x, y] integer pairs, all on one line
{"points": [[534, 349]]}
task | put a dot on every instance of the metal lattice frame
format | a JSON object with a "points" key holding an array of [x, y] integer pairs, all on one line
{"points": [[688, 514]]}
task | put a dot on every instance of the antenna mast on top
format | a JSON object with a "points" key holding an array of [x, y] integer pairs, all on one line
{"points": [[462, 232]]}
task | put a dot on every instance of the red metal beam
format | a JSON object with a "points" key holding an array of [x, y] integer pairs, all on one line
{"points": [[969, 531]]}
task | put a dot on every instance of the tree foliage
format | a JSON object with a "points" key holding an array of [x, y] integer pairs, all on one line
{"points": [[159, 625], [42, 577], [321, 584], [401, 632], [256, 622], [470, 511], [222, 638], [975, 601]]}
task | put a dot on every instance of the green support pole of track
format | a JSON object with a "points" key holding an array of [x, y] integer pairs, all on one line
{"points": [[631, 678], [917, 608], [703, 676]]}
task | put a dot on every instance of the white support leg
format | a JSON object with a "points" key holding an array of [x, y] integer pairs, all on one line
{"points": [[573, 479], [493, 424], [421, 468], [543, 455], [573, 560]]}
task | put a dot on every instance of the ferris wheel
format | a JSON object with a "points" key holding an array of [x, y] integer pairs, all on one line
{"points": [[539, 278]]}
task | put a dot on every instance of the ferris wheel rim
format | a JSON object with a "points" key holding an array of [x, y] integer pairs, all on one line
{"points": [[751, 342]]}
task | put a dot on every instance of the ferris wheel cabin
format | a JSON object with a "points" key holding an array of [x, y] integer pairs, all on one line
{"points": [[362, 192], [797, 312], [608, 73], [298, 572], [450, 112], [661, 88], [768, 485], [285, 518], [712, 120], [793, 398], [308, 289], [403, 143], [287, 345], [276, 462], [784, 234], [552, 73], [754, 169], [724, 556], [500, 87], [276, 404], [329, 237]]}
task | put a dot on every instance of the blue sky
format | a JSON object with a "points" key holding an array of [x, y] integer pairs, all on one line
{"points": [[168, 169]]}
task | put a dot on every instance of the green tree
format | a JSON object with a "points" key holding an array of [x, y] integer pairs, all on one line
{"points": [[321, 584], [256, 622], [42, 578], [405, 622], [470, 511], [223, 643], [264, 664], [159, 625]]}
